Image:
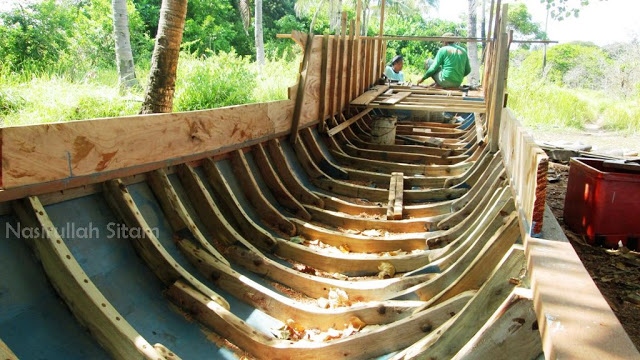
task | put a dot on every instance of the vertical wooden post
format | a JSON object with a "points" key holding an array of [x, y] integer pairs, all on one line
{"points": [[302, 80], [358, 16], [497, 98], [323, 82], [356, 49], [376, 65], [349, 74], [341, 62]]}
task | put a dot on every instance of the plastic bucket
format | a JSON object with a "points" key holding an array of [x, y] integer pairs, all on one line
{"points": [[383, 130]]}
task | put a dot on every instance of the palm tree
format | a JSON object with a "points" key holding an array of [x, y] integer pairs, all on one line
{"points": [[164, 62], [244, 8], [472, 46], [124, 56]]}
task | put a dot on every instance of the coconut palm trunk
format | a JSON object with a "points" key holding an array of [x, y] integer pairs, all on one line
{"points": [[472, 46], [259, 38], [164, 62], [124, 56]]}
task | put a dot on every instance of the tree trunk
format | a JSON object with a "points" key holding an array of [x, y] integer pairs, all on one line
{"points": [[124, 56], [315, 16], [332, 21], [483, 20], [338, 16], [164, 62], [472, 47], [258, 35]]}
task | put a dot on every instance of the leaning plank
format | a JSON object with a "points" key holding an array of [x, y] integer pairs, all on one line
{"points": [[395, 98], [370, 95], [347, 123], [84, 299]]}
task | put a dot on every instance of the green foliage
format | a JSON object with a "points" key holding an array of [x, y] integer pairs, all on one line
{"points": [[415, 53], [586, 60], [520, 21], [219, 80], [622, 116], [10, 102], [549, 105], [35, 37]]}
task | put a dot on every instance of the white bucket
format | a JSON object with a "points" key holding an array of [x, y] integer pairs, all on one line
{"points": [[383, 130]]}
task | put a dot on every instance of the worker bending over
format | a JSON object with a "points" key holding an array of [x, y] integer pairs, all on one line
{"points": [[393, 71], [450, 66]]}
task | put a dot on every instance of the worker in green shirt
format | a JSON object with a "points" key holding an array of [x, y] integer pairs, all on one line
{"points": [[450, 66]]}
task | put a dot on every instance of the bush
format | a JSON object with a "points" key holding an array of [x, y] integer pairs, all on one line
{"points": [[623, 116], [549, 105], [219, 80], [10, 102]]}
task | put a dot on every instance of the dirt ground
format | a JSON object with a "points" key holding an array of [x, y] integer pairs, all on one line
{"points": [[616, 273]]}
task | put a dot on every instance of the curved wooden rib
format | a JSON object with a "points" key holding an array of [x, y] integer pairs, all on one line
{"points": [[147, 245], [73, 285], [279, 190], [511, 333], [266, 210], [347, 264], [359, 346], [447, 341], [289, 178], [255, 261], [175, 211], [6, 353], [307, 315]]}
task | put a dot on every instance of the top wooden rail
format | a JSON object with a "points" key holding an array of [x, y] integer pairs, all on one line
{"points": [[434, 38]]}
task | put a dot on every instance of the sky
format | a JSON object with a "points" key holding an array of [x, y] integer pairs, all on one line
{"points": [[601, 22]]}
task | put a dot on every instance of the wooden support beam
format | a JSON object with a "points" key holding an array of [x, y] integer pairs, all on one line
{"points": [[497, 99], [464, 109], [323, 82], [343, 125], [396, 190], [302, 80]]}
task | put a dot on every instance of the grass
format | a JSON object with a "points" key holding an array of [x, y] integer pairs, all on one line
{"points": [[203, 83]]}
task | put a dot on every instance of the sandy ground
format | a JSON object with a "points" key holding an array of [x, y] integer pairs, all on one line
{"points": [[602, 141]]}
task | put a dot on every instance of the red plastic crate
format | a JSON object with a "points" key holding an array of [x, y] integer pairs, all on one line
{"points": [[603, 203]]}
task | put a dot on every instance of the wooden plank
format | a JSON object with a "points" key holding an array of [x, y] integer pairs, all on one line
{"points": [[392, 196], [349, 68], [341, 62], [323, 82], [343, 125], [370, 95], [397, 205], [302, 78], [465, 109], [56, 151], [574, 319], [395, 98]]}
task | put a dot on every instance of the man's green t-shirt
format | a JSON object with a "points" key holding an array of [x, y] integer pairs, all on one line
{"points": [[453, 63]]}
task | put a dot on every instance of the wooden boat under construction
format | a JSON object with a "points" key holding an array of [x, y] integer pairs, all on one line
{"points": [[281, 230]]}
